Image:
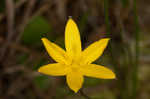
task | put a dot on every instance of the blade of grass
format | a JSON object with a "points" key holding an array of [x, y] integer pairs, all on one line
{"points": [[106, 13], [135, 68], [122, 81], [125, 3]]}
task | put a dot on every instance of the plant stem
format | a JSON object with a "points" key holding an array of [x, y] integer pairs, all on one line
{"points": [[135, 72], [106, 13], [125, 3], [83, 94]]}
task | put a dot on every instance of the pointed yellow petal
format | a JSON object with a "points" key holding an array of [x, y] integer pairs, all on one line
{"points": [[92, 52], [97, 71], [57, 53], [74, 80], [55, 69], [72, 39]]}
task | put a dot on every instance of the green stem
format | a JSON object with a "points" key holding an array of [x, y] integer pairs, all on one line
{"points": [[135, 72], [108, 30], [125, 3], [106, 13]]}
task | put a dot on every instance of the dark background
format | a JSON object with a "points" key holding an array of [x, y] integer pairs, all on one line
{"points": [[24, 22]]}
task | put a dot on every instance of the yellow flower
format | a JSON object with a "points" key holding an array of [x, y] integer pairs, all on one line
{"points": [[75, 63]]}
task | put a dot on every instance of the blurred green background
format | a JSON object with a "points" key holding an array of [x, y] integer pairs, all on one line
{"points": [[24, 22]]}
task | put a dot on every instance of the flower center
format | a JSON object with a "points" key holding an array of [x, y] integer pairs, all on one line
{"points": [[74, 66]]}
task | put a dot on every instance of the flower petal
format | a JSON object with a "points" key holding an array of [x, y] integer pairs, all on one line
{"points": [[55, 69], [57, 53], [97, 71], [74, 80], [92, 52], [72, 39]]}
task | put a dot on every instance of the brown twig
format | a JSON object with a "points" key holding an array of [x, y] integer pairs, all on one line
{"points": [[27, 17], [24, 22], [20, 3], [17, 6], [10, 25], [1, 16], [22, 48], [83, 94], [41, 10]]}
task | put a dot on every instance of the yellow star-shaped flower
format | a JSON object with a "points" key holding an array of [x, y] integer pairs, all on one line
{"points": [[75, 63]]}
